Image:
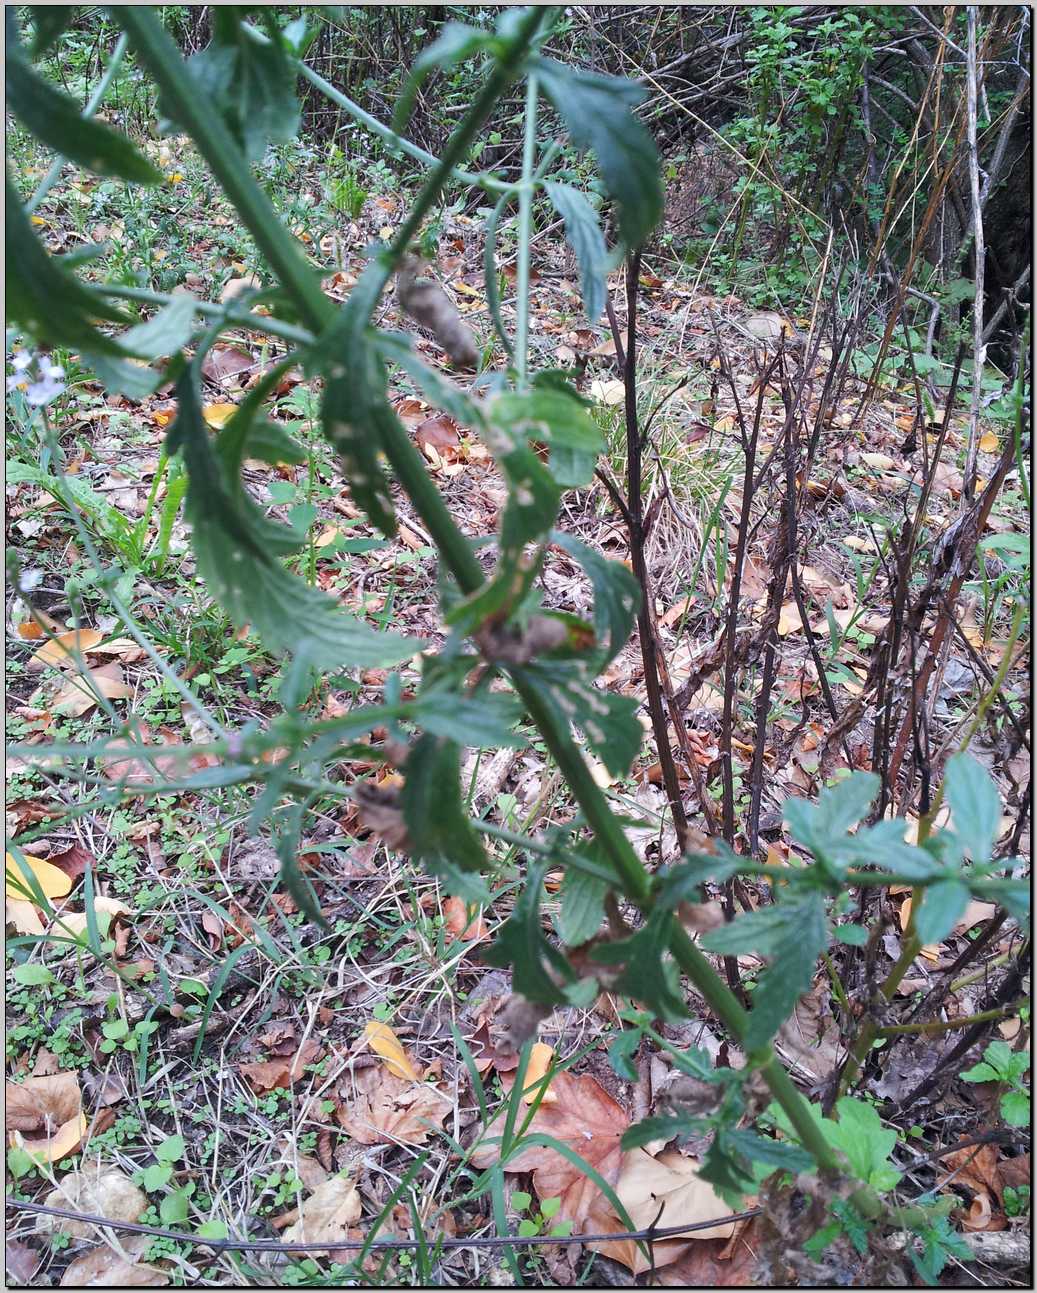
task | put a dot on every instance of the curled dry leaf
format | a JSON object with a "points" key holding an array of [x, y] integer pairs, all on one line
{"points": [[102, 1191], [326, 1215], [385, 1044], [718, 1263], [584, 1117], [283, 1071], [540, 1058], [458, 923], [64, 650], [379, 1108], [44, 1116], [80, 694], [73, 923], [103, 1267], [666, 1190]]}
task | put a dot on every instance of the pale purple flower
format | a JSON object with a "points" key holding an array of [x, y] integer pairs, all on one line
{"points": [[49, 378]]}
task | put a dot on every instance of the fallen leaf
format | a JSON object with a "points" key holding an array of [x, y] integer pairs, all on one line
{"points": [[718, 1263], [539, 1062], [101, 1191], [54, 882], [218, 415], [224, 364], [385, 1044], [455, 911], [73, 923], [378, 1108], [21, 1261], [669, 1191], [437, 437], [79, 695], [64, 651], [44, 1116], [284, 1071], [326, 1215], [584, 1117], [976, 1167], [611, 392], [989, 443], [103, 1267], [879, 461], [73, 861], [235, 286], [789, 619]]}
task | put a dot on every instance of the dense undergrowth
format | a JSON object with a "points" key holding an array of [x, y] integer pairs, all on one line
{"points": [[284, 972]]}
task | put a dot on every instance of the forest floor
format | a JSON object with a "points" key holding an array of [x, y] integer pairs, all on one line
{"points": [[254, 1074]]}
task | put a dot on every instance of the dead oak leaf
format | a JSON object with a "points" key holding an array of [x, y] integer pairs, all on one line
{"points": [[380, 1108], [284, 1070], [668, 1191], [718, 1263], [590, 1122], [103, 1267], [44, 1116], [326, 1215]]}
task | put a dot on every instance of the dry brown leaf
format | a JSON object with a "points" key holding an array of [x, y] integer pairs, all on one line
{"points": [[717, 1263], [586, 1118], [669, 1182], [104, 1192], [438, 434], [44, 1116], [789, 619], [381, 1109], [21, 1261], [224, 364], [326, 1215], [73, 923], [811, 1036], [977, 1168], [54, 882], [63, 650], [284, 1071], [235, 286], [102, 1267], [455, 911], [79, 695], [386, 1045], [540, 1058]]}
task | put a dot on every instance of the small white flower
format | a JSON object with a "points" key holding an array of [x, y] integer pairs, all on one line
{"points": [[22, 360], [29, 579], [40, 393], [51, 371], [13, 383]]}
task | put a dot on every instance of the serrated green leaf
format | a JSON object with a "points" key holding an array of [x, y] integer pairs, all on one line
{"points": [[851, 935], [270, 442], [552, 417], [609, 723], [587, 241], [442, 393], [455, 42], [860, 1135], [1015, 1108], [823, 826], [57, 120], [235, 556], [617, 595], [174, 1208], [683, 881], [163, 335], [598, 110], [981, 1073], [483, 723], [622, 1049], [538, 968], [661, 1127], [582, 907], [647, 975], [883, 845], [120, 376], [441, 834], [975, 805], [942, 905], [251, 86]]}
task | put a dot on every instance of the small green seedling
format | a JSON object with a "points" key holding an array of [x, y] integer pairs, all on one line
{"points": [[1001, 1064], [536, 1221]]}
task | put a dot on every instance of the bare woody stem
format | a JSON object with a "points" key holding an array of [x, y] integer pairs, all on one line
{"points": [[159, 54]]}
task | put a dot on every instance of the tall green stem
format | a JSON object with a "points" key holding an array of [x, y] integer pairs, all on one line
{"points": [[160, 55], [525, 229]]}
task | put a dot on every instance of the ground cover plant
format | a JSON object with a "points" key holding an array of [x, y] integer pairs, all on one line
{"points": [[381, 907]]}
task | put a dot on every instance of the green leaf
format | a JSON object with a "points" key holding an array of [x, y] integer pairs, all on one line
{"points": [[598, 110], [777, 1154], [683, 882], [588, 243], [49, 21], [556, 418], [791, 934], [115, 1029], [583, 906], [455, 42], [851, 935], [942, 905], [51, 304], [32, 976], [174, 1208], [608, 722], [883, 845], [975, 805], [236, 547], [617, 595], [120, 376], [269, 442], [661, 1127], [57, 120], [622, 1050], [251, 86], [860, 1135], [527, 1228], [822, 826], [486, 722], [396, 347], [1015, 1108], [212, 1229], [539, 970], [163, 335], [520, 1200], [981, 1073], [647, 974], [440, 832], [549, 1208], [171, 1150], [156, 1176], [726, 1168]]}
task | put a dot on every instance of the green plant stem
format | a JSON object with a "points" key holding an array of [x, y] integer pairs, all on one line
{"points": [[159, 54], [92, 104], [235, 318], [946, 1026], [525, 222], [977, 975]]}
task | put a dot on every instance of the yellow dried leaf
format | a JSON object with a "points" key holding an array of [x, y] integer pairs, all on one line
{"points": [[539, 1062], [989, 443], [789, 619], [385, 1044], [79, 695], [65, 1141], [218, 415], [52, 880], [73, 923], [879, 461], [856, 544], [62, 651]]}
